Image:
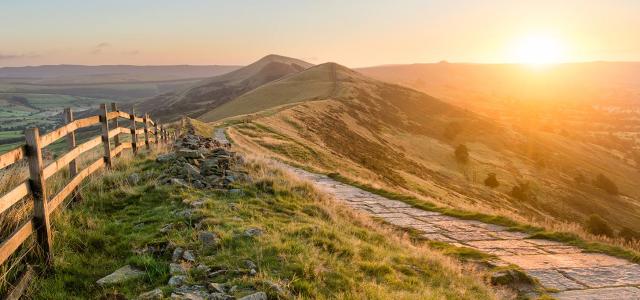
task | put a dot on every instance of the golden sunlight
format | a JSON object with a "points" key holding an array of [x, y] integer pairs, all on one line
{"points": [[537, 50]]}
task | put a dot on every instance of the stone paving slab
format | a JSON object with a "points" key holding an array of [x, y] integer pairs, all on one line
{"points": [[605, 276], [616, 293], [552, 279], [558, 267]]}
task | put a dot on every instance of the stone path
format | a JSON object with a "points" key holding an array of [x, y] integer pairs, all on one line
{"points": [[565, 269]]}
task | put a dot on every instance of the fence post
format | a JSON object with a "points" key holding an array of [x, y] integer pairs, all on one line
{"points": [[71, 144], [134, 134], [105, 134], [39, 191], [146, 130], [116, 139], [155, 129]]}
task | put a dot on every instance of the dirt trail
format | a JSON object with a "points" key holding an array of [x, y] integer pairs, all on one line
{"points": [[559, 267]]}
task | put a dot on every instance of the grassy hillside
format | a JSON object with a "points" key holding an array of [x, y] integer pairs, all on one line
{"points": [[309, 246], [402, 140], [216, 91]]}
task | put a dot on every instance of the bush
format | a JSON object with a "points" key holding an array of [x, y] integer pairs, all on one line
{"points": [[523, 191], [491, 181], [462, 153], [629, 234], [606, 184], [452, 130], [598, 226]]}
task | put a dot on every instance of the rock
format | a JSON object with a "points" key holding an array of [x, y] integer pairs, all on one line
{"points": [[251, 232], [203, 268], [188, 153], [250, 265], [197, 203], [120, 275], [255, 296], [191, 170], [194, 292], [253, 272], [188, 256], [178, 182], [166, 157], [187, 214], [177, 254], [208, 239], [510, 277], [177, 269], [177, 280], [133, 179], [166, 228], [217, 287], [199, 184], [152, 295], [220, 296]]}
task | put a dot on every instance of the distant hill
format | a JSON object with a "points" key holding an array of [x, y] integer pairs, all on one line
{"points": [[79, 74], [216, 91], [334, 119], [490, 85]]}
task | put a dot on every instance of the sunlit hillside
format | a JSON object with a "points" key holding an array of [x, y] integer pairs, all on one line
{"points": [[403, 140]]}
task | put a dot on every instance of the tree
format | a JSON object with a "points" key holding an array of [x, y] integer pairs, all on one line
{"points": [[523, 191], [598, 226], [491, 181], [606, 184], [462, 153]]}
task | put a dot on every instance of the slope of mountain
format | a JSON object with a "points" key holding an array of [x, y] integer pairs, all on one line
{"points": [[403, 140], [216, 91]]}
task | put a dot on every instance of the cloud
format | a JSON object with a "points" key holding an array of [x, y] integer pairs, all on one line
{"points": [[5, 56], [97, 49]]}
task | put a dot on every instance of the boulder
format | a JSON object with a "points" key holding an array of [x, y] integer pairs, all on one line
{"points": [[177, 269], [163, 158], [133, 179], [191, 171], [151, 295], [255, 296], [177, 280], [208, 239], [120, 275], [189, 256], [177, 254], [217, 287], [189, 153]]}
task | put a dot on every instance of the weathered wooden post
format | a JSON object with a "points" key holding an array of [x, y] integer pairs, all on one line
{"points": [[104, 118], [116, 139], [155, 130], [71, 144], [134, 134], [145, 119], [39, 190]]}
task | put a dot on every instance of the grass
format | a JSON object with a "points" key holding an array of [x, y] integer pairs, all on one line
{"points": [[533, 231], [310, 247]]}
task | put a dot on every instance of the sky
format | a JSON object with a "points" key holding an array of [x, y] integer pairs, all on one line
{"points": [[354, 33]]}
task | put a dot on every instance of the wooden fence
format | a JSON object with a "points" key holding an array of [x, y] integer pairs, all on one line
{"points": [[35, 186]]}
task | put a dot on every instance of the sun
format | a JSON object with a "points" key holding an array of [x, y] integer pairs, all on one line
{"points": [[539, 50]]}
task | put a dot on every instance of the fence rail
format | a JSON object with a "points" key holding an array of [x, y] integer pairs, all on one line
{"points": [[152, 132]]}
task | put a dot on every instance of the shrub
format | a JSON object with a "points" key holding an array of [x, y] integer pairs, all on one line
{"points": [[523, 191], [629, 234], [598, 226], [452, 130], [491, 180], [462, 153], [606, 184]]}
